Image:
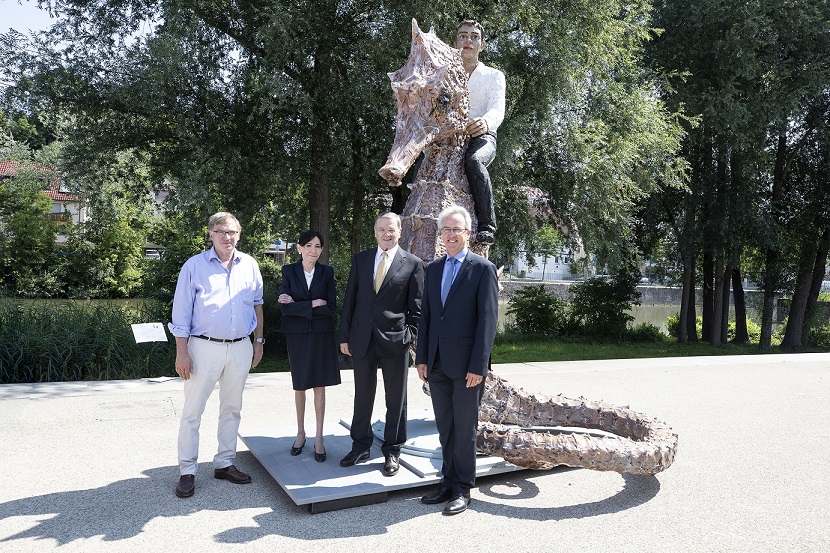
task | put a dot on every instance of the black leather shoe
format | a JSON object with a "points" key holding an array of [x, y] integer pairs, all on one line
{"points": [[186, 485], [485, 237], [320, 457], [354, 457], [457, 504], [232, 474], [392, 464], [297, 450], [440, 496]]}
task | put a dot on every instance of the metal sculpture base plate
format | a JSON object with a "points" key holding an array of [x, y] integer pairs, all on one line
{"points": [[328, 486]]}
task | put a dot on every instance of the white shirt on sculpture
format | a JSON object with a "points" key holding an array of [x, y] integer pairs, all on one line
{"points": [[487, 95]]}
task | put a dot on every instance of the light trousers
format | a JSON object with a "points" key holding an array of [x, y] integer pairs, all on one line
{"points": [[213, 362]]}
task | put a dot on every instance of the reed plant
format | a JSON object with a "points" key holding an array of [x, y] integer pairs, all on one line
{"points": [[51, 341]]}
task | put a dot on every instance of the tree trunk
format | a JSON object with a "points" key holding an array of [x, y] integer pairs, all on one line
{"points": [[707, 293], [717, 304], [688, 284], [795, 320], [741, 334], [358, 190], [772, 269], [321, 149], [724, 327], [691, 321], [818, 276]]}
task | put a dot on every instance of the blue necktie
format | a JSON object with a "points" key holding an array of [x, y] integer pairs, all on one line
{"points": [[448, 277]]}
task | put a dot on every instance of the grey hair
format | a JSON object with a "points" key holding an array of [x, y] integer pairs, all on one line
{"points": [[390, 215], [222, 217], [455, 210]]}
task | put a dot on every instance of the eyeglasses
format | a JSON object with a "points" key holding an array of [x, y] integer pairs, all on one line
{"points": [[445, 230], [226, 233]]}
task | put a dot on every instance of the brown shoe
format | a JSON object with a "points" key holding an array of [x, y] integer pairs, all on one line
{"points": [[186, 485], [232, 474]]}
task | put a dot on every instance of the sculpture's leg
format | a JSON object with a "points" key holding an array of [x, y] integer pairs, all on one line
{"points": [[480, 154]]}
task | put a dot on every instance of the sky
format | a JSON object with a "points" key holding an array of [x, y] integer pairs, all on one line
{"points": [[23, 16]]}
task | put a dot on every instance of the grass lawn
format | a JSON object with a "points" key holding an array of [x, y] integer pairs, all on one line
{"points": [[512, 349]]}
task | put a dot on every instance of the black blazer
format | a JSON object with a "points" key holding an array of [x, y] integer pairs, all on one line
{"points": [[391, 315], [299, 316], [464, 329]]}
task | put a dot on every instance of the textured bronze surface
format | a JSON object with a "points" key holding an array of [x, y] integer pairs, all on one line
{"points": [[639, 445], [432, 99]]}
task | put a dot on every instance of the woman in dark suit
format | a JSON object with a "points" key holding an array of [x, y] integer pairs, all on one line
{"points": [[308, 301]]}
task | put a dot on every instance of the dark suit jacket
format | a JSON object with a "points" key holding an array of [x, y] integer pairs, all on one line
{"points": [[464, 329], [299, 316], [391, 315]]}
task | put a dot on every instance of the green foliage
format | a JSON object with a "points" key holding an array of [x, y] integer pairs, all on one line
{"points": [[817, 331], [29, 266], [753, 331], [50, 341], [536, 312], [673, 324], [601, 305], [646, 333]]}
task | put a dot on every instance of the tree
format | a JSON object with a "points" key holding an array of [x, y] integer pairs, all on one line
{"points": [[28, 264], [751, 72], [281, 111]]}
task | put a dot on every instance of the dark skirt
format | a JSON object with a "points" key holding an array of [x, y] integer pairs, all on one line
{"points": [[313, 359]]}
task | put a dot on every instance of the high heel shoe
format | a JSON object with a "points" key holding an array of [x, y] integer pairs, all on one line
{"points": [[297, 450], [319, 457]]}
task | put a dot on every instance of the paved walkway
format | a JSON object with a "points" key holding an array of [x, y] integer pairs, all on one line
{"points": [[92, 466]]}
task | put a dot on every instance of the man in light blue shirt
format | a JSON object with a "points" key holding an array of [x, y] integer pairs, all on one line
{"points": [[216, 307]]}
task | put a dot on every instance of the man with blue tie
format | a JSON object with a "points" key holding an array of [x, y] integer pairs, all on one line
{"points": [[459, 312]]}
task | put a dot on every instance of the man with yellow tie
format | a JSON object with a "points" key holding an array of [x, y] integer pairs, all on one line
{"points": [[381, 311]]}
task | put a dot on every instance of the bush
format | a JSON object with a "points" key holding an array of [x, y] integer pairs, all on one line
{"points": [[49, 341], [673, 323], [538, 312], [601, 305], [752, 329], [646, 333]]}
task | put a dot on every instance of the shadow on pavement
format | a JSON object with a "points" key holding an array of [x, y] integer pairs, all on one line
{"points": [[120, 510]]}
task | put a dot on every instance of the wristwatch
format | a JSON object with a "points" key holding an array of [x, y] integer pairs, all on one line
{"points": [[259, 340]]}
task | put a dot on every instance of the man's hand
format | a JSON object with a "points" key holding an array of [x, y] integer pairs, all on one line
{"points": [[476, 127], [285, 298], [258, 349], [473, 380], [184, 365], [318, 303], [422, 371], [344, 348]]}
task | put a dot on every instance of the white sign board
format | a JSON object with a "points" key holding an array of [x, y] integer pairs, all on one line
{"points": [[149, 332]]}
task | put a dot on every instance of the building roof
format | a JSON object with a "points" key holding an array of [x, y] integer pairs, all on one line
{"points": [[12, 168]]}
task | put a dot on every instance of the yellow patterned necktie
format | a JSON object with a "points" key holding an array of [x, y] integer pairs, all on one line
{"points": [[381, 272]]}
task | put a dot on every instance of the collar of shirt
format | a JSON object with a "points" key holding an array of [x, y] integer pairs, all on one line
{"points": [[460, 256], [390, 255], [213, 255]]}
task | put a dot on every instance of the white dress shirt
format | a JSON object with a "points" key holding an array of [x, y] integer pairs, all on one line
{"points": [[487, 95], [390, 255]]}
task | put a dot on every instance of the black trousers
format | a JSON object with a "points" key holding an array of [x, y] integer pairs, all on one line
{"points": [[395, 372], [481, 151], [456, 416]]}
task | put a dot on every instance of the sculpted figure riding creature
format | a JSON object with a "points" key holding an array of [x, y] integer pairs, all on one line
{"points": [[525, 429]]}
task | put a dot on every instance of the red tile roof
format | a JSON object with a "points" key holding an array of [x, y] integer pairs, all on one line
{"points": [[11, 169]]}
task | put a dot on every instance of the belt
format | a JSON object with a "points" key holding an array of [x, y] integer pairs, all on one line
{"points": [[209, 339]]}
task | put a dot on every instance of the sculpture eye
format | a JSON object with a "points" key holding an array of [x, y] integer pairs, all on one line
{"points": [[441, 103]]}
